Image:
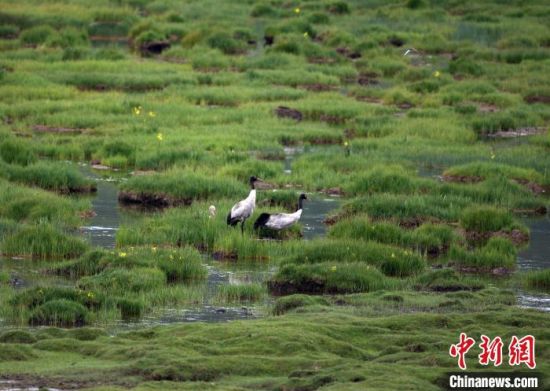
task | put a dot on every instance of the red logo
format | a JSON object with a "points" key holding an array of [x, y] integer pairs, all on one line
{"points": [[520, 351], [461, 348], [491, 351]]}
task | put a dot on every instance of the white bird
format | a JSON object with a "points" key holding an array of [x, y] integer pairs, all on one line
{"points": [[280, 220], [243, 209], [411, 51], [212, 211]]}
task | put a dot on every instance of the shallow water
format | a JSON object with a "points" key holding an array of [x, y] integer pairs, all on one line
{"points": [[316, 209], [101, 228], [537, 254], [14, 385]]}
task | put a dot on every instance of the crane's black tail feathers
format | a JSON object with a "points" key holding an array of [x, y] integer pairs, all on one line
{"points": [[232, 221], [261, 220]]}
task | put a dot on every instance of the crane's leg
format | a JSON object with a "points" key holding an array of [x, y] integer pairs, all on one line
{"points": [[242, 227]]}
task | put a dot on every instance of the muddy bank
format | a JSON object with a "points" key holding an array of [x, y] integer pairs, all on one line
{"points": [[462, 178], [57, 129], [520, 132], [515, 236], [534, 187], [287, 112], [284, 288], [151, 199]]}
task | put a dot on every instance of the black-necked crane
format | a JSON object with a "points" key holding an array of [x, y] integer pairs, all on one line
{"points": [[243, 209], [280, 221]]}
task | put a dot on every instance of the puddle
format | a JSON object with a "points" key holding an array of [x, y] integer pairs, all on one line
{"points": [[290, 153], [101, 229], [535, 256], [314, 214], [430, 171], [14, 385], [539, 302]]}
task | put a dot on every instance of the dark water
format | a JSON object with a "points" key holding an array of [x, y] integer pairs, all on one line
{"points": [[316, 209], [536, 256], [101, 229]]}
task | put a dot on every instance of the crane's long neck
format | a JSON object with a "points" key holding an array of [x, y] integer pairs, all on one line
{"points": [[252, 195], [300, 202]]}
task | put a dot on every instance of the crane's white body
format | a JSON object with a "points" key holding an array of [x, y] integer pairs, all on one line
{"points": [[243, 209], [283, 220]]}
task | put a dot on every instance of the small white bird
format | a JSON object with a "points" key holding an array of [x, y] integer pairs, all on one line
{"points": [[280, 220], [212, 211], [411, 51], [243, 209]]}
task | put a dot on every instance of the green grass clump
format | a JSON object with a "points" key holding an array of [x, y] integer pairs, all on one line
{"points": [[120, 281], [327, 278], [385, 180], [407, 207], [183, 187], [50, 176], [391, 260], [130, 308], [538, 280], [182, 265], [497, 253], [25, 205], [240, 292], [31, 298], [43, 241], [62, 312], [488, 169], [17, 353], [17, 336], [447, 280], [292, 302], [14, 151], [485, 219]]}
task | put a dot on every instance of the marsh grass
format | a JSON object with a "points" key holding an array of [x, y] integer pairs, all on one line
{"points": [[50, 176], [427, 238], [496, 253], [241, 293], [60, 313], [26, 205], [485, 219], [43, 241], [537, 280], [391, 260], [182, 187], [327, 278]]}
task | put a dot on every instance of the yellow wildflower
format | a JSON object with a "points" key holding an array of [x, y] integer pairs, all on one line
{"points": [[159, 137], [333, 268], [122, 254], [346, 143], [437, 73], [91, 295], [392, 255], [154, 248], [297, 10], [152, 114], [137, 110], [306, 34]]}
